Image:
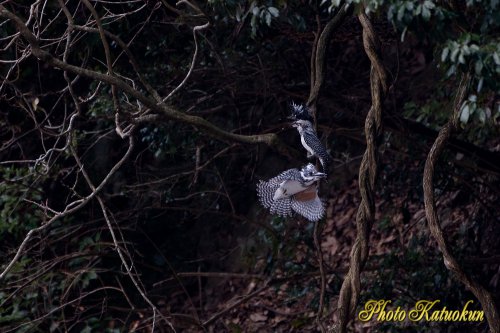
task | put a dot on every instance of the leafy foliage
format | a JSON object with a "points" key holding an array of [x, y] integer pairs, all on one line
{"points": [[18, 188]]}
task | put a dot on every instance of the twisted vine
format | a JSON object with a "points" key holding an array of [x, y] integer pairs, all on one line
{"points": [[350, 290], [450, 261], [318, 59], [318, 56]]}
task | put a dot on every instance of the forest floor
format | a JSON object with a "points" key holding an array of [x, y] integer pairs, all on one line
{"points": [[288, 299]]}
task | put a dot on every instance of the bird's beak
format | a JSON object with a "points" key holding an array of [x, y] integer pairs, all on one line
{"points": [[294, 124], [320, 174]]}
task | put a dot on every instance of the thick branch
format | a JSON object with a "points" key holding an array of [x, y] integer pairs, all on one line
{"points": [[169, 112]]}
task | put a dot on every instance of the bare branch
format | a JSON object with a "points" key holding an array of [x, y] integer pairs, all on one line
{"points": [[70, 208], [195, 55], [167, 111], [128, 268]]}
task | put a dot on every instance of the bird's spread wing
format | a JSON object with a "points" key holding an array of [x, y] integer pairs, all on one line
{"points": [[308, 204], [288, 188], [290, 174], [265, 193], [266, 190], [282, 207], [284, 194]]}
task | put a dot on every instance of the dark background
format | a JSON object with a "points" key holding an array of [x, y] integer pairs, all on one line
{"points": [[184, 205]]}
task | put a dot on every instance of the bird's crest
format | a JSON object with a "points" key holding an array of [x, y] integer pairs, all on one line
{"points": [[300, 112]]}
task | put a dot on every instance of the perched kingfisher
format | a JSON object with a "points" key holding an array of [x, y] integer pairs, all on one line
{"points": [[293, 190], [308, 136]]}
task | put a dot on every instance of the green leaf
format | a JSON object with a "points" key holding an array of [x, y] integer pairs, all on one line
{"points": [[496, 58], [480, 84], [461, 58], [426, 13], [474, 48], [444, 54], [451, 71], [454, 54], [268, 19], [478, 66], [464, 115], [429, 4], [418, 11], [274, 11], [482, 115], [401, 13], [86, 329]]}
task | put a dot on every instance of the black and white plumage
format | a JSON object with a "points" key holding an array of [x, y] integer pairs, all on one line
{"points": [[300, 112], [311, 142], [293, 190]]}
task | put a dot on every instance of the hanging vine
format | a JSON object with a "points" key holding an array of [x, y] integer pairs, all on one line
{"points": [[350, 290], [450, 261]]}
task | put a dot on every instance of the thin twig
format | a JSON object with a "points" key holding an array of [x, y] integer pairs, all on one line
{"points": [[193, 61], [69, 209], [319, 254], [270, 139]]}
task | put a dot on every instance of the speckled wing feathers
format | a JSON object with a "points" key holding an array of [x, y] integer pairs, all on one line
{"points": [[266, 190], [296, 190], [313, 210], [306, 203]]}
